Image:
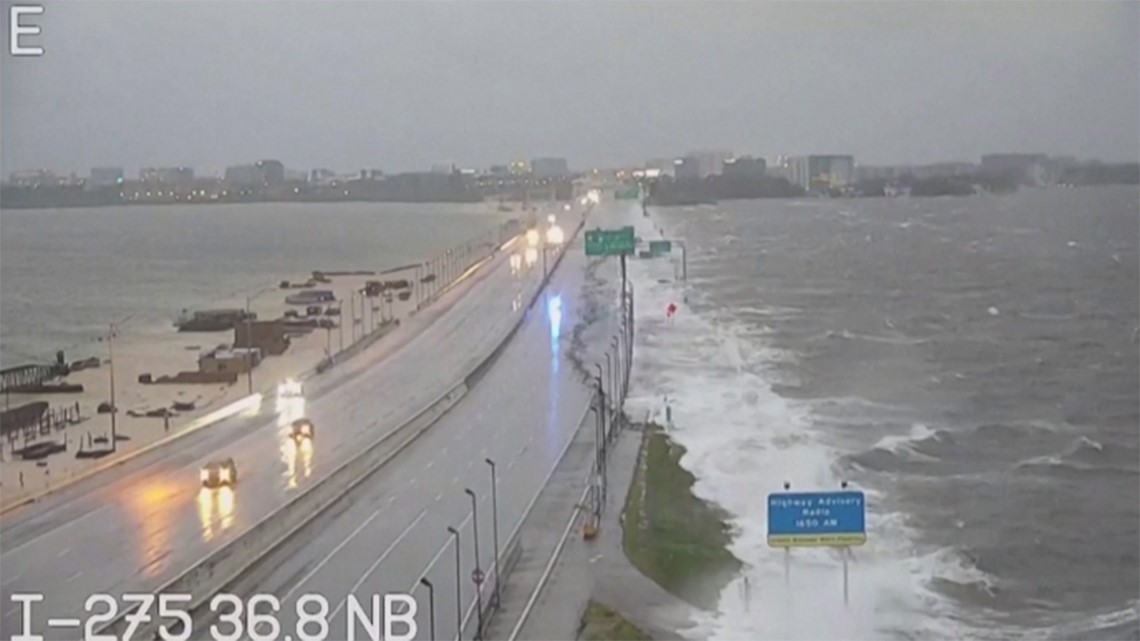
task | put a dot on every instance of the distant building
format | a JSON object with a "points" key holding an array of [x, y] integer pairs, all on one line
{"points": [[260, 173], [664, 166], [701, 164], [920, 172], [34, 178], [167, 175], [500, 170], [321, 176], [443, 168], [549, 167], [244, 175], [815, 173], [744, 166], [106, 176], [273, 171], [687, 167], [1003, 163], [519, 168]]}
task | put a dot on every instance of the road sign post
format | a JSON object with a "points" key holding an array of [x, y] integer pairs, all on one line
{"points": [[612, 242], [817, 519]]}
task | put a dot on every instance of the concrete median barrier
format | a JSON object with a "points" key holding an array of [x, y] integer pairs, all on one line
{"points": [[207, 577], [225, 565]]}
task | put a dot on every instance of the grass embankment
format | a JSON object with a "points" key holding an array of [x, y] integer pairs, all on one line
{"points": [[670, 535], [600, 623]]}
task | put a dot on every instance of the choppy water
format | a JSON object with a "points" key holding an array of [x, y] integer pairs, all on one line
{"points": [[65, 274], [973, 363]]}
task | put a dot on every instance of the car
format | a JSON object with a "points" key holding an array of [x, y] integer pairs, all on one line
{"points": [[302, 429], [220, 473], [290, 389]]}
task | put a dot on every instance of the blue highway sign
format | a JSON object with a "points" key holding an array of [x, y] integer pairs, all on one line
{"points": [[817, 519]]}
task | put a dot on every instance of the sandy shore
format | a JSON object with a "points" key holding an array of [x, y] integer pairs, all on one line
{"points": [[168, 353]]}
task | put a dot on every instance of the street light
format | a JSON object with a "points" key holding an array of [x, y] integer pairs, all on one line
{"points": [[495, 528], [618, 394], [458, 597], [478, 577], [431, 606], [111, 368], [610, 379]]}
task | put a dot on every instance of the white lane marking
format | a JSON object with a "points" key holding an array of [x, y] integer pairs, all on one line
{"points": [[469, 464], [391, 499], [62, 552], [455, 480], [53, 531], [378, 561], [330, 555], [439, 496], [430, 464], [74, 577], [511, 463], [444, 450], [438, 554], [411, 482]]}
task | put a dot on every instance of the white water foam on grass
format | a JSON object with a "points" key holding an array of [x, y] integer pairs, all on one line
{"points": [[743, 441]]}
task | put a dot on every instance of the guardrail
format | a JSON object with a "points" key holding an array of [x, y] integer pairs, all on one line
{"points": [[223, 566], [515, 537], [212, 573]]}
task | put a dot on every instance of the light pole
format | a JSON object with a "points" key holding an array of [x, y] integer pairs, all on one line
{"points": [[478, 570], [618, 394], [495, 528], [111, 368], [340, 324], [431, 606], [458, 597], [610, 380], [249, 344], [601, 398]]}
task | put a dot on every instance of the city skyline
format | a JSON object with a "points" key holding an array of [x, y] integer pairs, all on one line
{"points": [[404, 86]]}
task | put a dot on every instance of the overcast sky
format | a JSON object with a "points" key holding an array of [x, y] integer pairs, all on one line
{"points": [[401, 86]]}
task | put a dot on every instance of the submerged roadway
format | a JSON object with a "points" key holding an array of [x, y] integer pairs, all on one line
{"points": [[134, 528]]}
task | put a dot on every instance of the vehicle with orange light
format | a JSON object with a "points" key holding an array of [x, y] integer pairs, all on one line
{"points": [[302, 429], [221, 473]]}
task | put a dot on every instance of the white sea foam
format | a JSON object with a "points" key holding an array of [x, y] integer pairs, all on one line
{"points": [[743, 441]]}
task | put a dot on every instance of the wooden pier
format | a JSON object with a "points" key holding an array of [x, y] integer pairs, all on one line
{"points": [[14, 379]]}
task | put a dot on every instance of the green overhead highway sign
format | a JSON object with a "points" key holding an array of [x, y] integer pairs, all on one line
{"points": [[610, 242], [660, 247]]}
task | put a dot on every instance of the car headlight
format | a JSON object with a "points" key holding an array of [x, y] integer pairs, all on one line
{"points": [[205, 474], [225, 475]]}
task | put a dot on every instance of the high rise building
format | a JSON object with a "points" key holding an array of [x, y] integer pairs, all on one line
{"points": [[273, 172], [166, 175], [821, 172], [744, 166]]}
